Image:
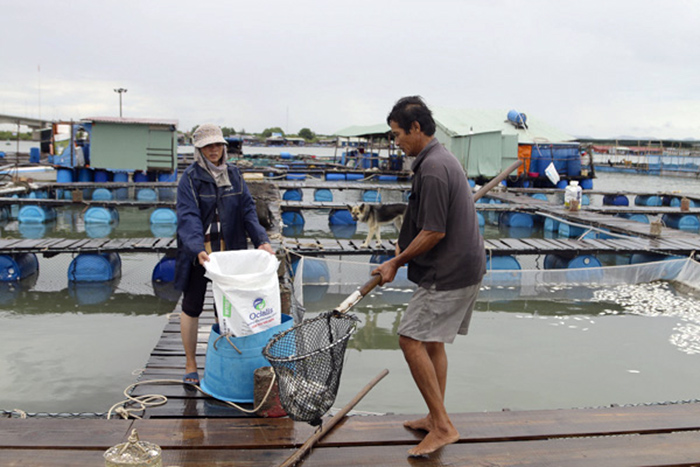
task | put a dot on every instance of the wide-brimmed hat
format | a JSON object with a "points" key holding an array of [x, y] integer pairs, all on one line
{"points": [[206, 134]]}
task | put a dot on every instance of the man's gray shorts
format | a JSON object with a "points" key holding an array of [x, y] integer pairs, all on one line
{"points": [[438, 315]]}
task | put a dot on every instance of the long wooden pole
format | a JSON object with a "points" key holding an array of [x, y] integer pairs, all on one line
{"points": [[328, 426], [495, 181]]}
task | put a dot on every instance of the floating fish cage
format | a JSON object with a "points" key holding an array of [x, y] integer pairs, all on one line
{"points": [[95, 267]]}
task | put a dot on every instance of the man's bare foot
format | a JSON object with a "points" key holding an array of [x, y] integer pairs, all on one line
{"points": [[433, 441], [422, 424]]}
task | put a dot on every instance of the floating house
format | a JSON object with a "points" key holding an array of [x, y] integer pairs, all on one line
{"points": [[488, 141], [115, 143]]}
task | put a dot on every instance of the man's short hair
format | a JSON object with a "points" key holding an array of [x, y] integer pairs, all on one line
{"points": [[412, 109]]}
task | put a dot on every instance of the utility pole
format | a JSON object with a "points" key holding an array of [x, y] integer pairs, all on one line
{"points": [[120, 91]]}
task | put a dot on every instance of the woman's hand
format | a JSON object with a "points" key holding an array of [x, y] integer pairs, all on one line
{"points": [[203, 257], [266, 247]]}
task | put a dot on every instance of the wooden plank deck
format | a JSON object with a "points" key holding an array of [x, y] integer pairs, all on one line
{"points": [[606, 437]]}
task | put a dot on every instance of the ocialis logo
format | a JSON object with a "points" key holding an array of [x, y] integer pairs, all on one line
{"points": [[262, 311]]}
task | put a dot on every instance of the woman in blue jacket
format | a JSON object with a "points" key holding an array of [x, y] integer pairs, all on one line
{"points": [[215, 211]]}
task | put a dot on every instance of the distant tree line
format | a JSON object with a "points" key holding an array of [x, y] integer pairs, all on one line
{"points": [[9, 135], [305, 133]]}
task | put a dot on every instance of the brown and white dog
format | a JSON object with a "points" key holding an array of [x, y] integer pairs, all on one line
{"points": [[376, 215]]}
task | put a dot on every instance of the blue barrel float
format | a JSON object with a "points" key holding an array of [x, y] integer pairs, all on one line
{"points": [[648, 200], [167, 194], [353, 177], [34, 155], [686, 222], [586, 184], [335, 177], [643, 218], [85, 175], [585, 268], [371, 196], [95, 267], [315, 278], [508, 263], [102, 176], [675, 202], [163, 222], [615, 200], [101, 194], [163, 280], [293, 194], [101, 215], [570, 231], [18, 266], [63, 175], [516, 219], [296, 176], [121, 177], [323, 195], [163, 216], [229, 375], [36, 214], [144, 194], [341, 223], [292, 217]]}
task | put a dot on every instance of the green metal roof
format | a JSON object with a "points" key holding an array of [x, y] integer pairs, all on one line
{"points": [[470, 121], [380, 129]]}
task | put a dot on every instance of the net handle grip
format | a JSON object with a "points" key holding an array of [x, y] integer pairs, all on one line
{"points": [[358, 295]]}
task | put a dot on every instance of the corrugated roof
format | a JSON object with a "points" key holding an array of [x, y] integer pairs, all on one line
{"points": [[379, 129], [141, 121], [467, 121]]}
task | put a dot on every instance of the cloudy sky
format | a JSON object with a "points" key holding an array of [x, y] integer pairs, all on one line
{"points": [[600, 68]]}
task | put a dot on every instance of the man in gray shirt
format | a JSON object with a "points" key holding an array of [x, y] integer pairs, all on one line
{"points": [[441, 242]]}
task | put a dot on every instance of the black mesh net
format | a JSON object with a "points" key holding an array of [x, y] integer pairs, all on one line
{"points": [[308, 361]]}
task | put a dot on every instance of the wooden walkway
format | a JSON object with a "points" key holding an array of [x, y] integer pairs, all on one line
{"points": [[49, 247], [608, 437]]}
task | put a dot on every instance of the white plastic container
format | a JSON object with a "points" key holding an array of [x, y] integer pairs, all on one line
{"points": [[572, 196]]}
